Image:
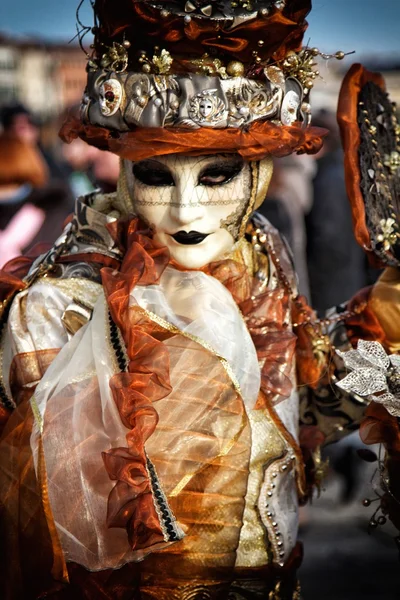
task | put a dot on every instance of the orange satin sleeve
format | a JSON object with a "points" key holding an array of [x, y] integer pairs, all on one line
{"points": [[363, 323]]}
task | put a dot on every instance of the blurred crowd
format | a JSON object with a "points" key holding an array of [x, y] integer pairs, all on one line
{"points": [[308, 203], [40, 177]]}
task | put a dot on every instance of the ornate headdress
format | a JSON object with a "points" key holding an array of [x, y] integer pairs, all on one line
{"points": [[189, 75]]}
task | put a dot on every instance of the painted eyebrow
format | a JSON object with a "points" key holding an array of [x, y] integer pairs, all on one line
{"points": [[151, 162], [223, 162], [212, 161]]}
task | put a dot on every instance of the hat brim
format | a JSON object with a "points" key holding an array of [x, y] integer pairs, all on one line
{"points": [[257, 141]]}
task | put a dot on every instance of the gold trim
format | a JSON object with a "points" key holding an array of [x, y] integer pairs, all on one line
{"points": [[36, 414], [253, 198], [123, 201], [173, 329], [59, 568]]}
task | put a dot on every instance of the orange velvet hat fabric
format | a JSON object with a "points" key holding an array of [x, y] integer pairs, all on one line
{"points": [[347, 116]]}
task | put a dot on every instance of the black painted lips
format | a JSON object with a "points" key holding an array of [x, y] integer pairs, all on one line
{"points": [[191, 237]]}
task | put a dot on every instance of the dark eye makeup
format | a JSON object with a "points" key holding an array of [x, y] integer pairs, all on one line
{"points": [[155, 174], [220, 173]]}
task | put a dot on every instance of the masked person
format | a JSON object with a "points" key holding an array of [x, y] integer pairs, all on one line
{"points": [[151, 359]]}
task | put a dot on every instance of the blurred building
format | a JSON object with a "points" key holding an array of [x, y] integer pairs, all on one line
{"points": [[71, 73], [326, 91], [8, 73], [45, 77]]}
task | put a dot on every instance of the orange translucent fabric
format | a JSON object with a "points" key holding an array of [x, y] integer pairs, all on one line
{"points": [[194, 427], [265, 314], [131, 502], [24, 516], [10, 284], [363, 323]]}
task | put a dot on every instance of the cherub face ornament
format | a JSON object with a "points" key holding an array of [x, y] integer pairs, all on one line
{"points": [[194, 205], [205, 108]]}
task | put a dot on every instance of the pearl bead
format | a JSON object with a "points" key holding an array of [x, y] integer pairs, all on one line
{"points": [[142, 101], [244, 110], [187, 18], [158, 102], [164, 13]]}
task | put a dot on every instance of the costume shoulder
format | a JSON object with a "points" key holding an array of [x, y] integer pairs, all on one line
{"points": [[56, 298], [276, 246]]}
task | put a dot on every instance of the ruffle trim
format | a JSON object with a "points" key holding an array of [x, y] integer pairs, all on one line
{"points": [[137, 502]]}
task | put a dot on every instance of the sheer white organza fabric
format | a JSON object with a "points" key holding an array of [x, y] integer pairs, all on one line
{"points": [[199, 305], [77, 418], [79, 421]]}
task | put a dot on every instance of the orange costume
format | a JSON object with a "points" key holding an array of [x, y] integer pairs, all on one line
{"points": [[151, 407]]}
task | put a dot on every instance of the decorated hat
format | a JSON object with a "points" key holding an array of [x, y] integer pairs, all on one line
{"points": [[167, 76]]}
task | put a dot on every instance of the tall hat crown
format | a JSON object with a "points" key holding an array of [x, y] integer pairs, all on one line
{"points": [[190, 75]]}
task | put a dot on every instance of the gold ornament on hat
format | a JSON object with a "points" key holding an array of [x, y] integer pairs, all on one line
{"points": [[302, 66], [160, 64], [209, 66], [116, 57]]}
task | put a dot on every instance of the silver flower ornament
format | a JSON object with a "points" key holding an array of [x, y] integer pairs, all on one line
{"points": [[373, 374]]}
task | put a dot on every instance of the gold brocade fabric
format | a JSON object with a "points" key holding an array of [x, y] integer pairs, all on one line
{"points": [[36, 330], [27, 370], [267, 445]]}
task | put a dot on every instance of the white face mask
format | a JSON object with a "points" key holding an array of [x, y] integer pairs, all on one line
{"points": [[194, 205]]}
